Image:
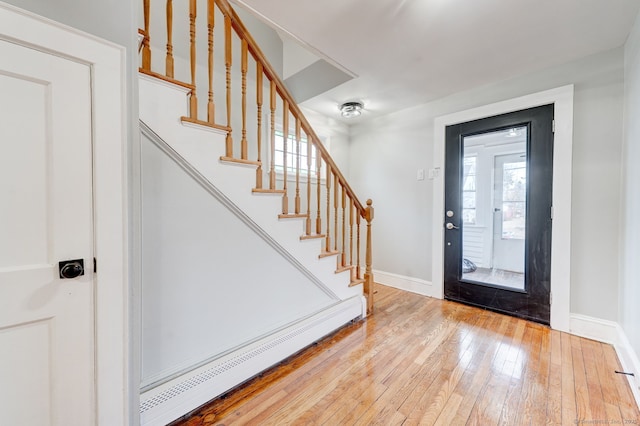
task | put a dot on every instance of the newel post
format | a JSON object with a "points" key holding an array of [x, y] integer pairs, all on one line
{"points": [[368, 274]]}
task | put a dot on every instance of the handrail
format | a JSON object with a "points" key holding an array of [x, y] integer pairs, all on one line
{"points": [[256, 52]]}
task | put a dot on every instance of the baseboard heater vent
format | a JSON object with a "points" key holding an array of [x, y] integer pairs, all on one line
{"points": [[183, 394]]}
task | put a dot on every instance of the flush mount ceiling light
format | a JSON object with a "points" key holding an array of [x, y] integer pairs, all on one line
{"points": [[351, 109]]}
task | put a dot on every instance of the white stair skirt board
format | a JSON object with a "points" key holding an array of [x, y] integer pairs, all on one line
{"points": [[183, 394], [161, 106], [414, 285]]}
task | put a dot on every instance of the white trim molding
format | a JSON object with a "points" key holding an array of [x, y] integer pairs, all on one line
{"points": [[594, 328], [108, 93], [402, 282], [629, 362], [562, 98], [612, 333]]}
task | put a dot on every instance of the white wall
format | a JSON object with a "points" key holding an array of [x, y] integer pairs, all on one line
{"points": [[267, 38], [386, 152], [336, 134], [111, 20], [630, 215], [210, 283], [295, 58]]}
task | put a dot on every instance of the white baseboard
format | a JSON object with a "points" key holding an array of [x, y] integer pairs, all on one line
{"points": [[171, 400], [594, 328], [414, 285], [610, 332], [630, 362]]}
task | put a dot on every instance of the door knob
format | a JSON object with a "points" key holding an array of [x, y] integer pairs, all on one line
{"points": [[450, 226], [71, 268]]}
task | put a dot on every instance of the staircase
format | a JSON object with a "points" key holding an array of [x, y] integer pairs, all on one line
{"points": [[236, 132]]}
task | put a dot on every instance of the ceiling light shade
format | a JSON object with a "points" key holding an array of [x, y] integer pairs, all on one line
{"points": [[351, 109]]}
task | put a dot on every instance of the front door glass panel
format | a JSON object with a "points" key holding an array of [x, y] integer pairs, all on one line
{"points": [[494, 188]]}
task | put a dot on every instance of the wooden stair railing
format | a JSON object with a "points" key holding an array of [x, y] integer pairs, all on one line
{"points": [[302, 156]]}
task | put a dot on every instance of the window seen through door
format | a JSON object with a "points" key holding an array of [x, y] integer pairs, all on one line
{"points": [[514, 195], [469, 190]]}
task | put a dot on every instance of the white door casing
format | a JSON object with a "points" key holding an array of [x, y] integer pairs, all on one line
{"points": [[106, 64], [46, 323]]}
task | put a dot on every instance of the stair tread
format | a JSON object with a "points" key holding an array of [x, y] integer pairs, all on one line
{"points": [[240, 161], [328, 253], [344, 269], [165, 78], [204, 123], [312, 237], [267, 191], [292, 216], [356, 282]]}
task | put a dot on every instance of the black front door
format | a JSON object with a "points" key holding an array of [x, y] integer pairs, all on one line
{"points": [[498, 188]]}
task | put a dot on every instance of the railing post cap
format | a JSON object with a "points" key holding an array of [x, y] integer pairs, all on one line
{"points": [[369, 202]]}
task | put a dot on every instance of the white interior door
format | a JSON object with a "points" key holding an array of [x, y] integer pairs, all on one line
{"points": [[46, 323]]}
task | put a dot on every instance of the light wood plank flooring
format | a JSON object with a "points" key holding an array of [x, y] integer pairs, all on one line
{"points": [[419, 360]]}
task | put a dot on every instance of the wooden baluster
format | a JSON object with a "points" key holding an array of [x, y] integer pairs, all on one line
{"points": [[335, 214], [227, 64], [272, 170], [358, 271], [244, 154], [343, 257], [368, 274], [351, 211], [146, 49], [285, 139], [307, 227], [211, 9], [328, 233], [318, 188], [259, 72], [193, 99], [169, 59], [297, 199]]}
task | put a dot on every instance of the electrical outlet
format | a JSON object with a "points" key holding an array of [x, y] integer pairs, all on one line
{"points": [[420, 174]]}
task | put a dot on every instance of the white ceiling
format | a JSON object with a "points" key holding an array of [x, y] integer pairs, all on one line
{"points": [[409, 52]]}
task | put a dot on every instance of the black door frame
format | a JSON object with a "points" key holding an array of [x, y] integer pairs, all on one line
{"points": [[534, 302]]}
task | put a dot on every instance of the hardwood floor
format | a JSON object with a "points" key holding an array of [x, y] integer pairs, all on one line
{"points": [[419, 360]]}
